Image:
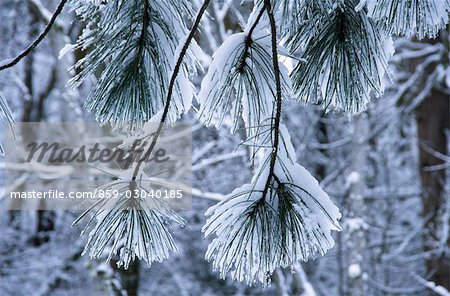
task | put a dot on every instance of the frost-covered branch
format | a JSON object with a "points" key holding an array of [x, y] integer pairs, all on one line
{"points": [[283, 215], [421, 18], [347, 58], [439, 290], [133, 43], [138, 227], [171, 87]]}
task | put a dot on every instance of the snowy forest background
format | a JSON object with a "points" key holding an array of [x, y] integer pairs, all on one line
{"points": [[386, 169]]}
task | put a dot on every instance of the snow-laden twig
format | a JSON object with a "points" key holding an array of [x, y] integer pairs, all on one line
{"points": [[434, 153], [439, 290], [138, 227], [202, 151]]}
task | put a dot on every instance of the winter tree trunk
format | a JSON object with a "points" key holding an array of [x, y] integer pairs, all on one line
{"points": [[33, 112], [129, 278], [356, 242], [433, 122]]}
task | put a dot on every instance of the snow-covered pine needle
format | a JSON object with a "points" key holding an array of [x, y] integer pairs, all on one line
{"points": [[130, 227], [346, 61], [240, 82], [5, 116], [422, 18], [133, 45], [255, 234], [300, 20]]}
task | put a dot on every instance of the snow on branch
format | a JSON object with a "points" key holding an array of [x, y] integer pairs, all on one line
{"points": [[421, 18], [439, 290], [137, 42], [240, 82], [346, 60], [255, 232], [136, 227]]}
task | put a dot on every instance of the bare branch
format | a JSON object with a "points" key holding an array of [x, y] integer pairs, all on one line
{"points": [[10, 63]]}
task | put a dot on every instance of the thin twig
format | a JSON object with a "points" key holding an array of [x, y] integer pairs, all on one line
{"points": [[142, 37], [277, 119], [38, 40], [248, 40], [171, 87]]}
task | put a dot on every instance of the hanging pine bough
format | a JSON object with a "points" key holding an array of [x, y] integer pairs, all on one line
{"points": [[346, 61], [240, 82], [5, 116], [136, 226], [422, 18], [130, 227], [133, 43], [283, 216], [257, 231]]}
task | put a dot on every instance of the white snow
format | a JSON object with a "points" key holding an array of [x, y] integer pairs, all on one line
{"points": [[354, 271], [360, 5], [234, 247], [353, 178], [65, 50]]}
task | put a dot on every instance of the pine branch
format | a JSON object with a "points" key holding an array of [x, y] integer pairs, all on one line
{"points": [[8, 64], [133, 43], [277, 120], [346, 60], [256, 235], [173, 78], [423, 18], [240, 81], [282, 216], [136, 227], [140, 225]]}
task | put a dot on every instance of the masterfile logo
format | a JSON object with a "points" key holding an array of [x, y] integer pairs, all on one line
{"points": [[74, 165]]}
